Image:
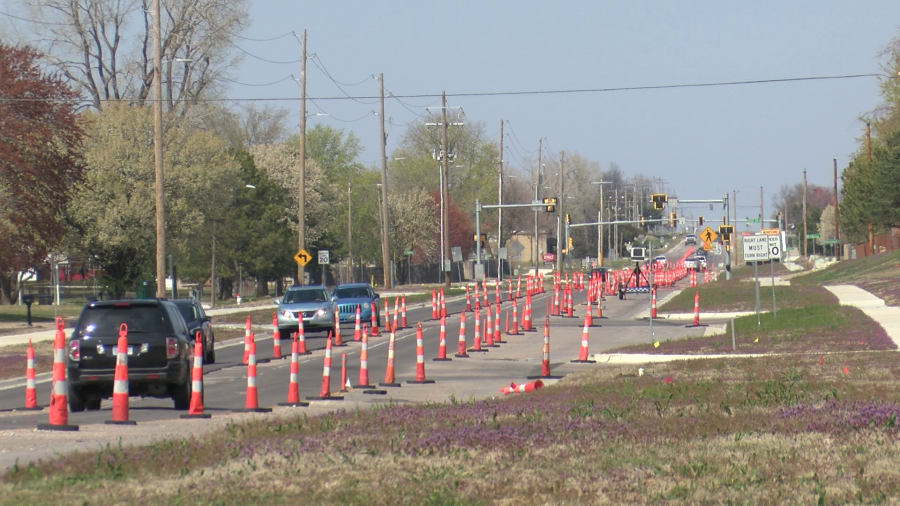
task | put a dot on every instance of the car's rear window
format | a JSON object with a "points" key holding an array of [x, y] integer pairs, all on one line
{"points": [[105, 320], [188, 311], [298, 296], [351, 292]]}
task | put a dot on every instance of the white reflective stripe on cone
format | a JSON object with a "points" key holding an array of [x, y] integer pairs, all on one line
{"points": [[197, 386], [120, 387]]}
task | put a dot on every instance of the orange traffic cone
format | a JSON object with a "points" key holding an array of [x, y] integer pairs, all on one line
{"points": [[497, 337], [696, 311], [461, 347], [375, 331], [443, 304], [293, 398], [420, 359], [195, 410], [515, 319], [251, 404], [276, 338], [583, 356], [545, 362], [325, 393], [442, 346], [30, 383], [403, 312], [345, 383], [434, 305], [301, 340], [587, 314], [337, 328], [247, 340], [468, 300], [389, 372], [522, 388], [120, 381], [364, 369], [489, 328], [356, 328], [59, 409], [653, 303], [477, 346]]}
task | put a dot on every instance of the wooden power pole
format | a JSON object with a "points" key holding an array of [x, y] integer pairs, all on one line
{"points": [[301, 197], [385, 253], [445, 161], [158, 157]]}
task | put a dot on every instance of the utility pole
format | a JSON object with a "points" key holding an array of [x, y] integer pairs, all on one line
{"points": [[301, 197], [804, 213], [158, 157], [500, 210], [350, 231], [837, 228], [385, 254], [560, 244], [761, 215], [445, 161], [539, 180]]}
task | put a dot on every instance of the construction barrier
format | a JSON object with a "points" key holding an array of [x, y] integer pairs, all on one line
{"points": [[120, 381], [59, 403], [293, 397], [195, 409], [420, 359]]}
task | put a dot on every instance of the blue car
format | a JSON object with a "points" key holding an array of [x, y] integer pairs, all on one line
{"points": [[349, 295]]}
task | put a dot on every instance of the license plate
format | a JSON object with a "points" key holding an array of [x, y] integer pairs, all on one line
{"points": [[130, 351]]}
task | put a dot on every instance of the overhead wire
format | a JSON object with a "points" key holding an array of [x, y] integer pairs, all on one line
{"points": [[256, 85], [47, 23], [513, 130], [337, 118]]}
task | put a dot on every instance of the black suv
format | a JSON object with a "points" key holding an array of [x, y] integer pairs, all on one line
{"points": [[160, 354], [198, 321]]}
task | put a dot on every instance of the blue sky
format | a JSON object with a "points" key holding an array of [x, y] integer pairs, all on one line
{"points": [[702, 141]]}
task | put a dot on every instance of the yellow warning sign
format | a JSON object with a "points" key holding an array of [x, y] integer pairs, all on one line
{"points": [[302, 258], [708, 235]]}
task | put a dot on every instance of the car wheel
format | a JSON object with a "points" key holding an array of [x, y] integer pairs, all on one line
{"points": [[93, 404], [182, 395], [76, 400], [211, 359]]}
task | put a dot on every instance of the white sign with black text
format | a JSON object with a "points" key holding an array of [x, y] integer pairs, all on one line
{"points": [[756, 248]]}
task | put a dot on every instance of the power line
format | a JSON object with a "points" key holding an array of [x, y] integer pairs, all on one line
{"points": [[516, 137], [321, 66], [256, 85], [335, 117], [514, 93], [48, 23], [255, 40]]}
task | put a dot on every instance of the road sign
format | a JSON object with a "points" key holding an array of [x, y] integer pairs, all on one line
{"points": [[831, 241], [302, 258], [708, 247], [813, 236], [408, 252], [774, 246], [717, 248], [770, 231], [456, 253], [756, 248], [548, 257], [502, 254], [324, 257], [708, 235]]}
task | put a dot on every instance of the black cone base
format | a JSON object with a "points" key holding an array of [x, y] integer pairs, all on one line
{"points": [[471, 350], [391, 385], [543, 377], [438, 359], [197, 417], [461, 356], [36, 408], [300, 404], [327, 398], [363, 386], [252, 410], [490, 345], [375, 392], [695, 326], [416, 382], [63, 428], [120, 422], [583, 361]]}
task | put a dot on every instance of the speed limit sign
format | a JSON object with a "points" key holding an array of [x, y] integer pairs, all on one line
{"points": [[774, 247]]}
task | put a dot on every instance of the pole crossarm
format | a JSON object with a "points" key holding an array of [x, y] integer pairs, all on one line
{"points": [[619, 222], [509, 206], [703, 201]]}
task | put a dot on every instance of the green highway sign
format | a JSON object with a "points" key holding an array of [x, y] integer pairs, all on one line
{"points": [[813, 236], [408, 252], [831, 241]]}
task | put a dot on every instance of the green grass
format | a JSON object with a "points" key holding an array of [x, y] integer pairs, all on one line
{"points": [[738, 295], [784, 430]]}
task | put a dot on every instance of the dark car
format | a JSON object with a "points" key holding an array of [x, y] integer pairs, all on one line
{"points": [[601, 271], [349, 295], [160, 354], [198, 321]]}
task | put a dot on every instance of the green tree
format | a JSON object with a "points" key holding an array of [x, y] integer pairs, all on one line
{"points": [[113, 209]]}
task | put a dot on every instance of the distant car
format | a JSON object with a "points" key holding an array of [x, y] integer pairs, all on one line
{"points": [[350, 295], [312, 303], [701, 262], [160, 352], [691, 263], [690, 239], [599, 271], [197, 321], [660, 259]]}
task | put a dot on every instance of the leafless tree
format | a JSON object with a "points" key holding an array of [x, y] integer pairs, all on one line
{"points": [[106, 46]]}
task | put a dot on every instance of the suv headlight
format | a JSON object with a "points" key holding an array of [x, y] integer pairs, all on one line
{"points": [[286, 313], [322, 311]]}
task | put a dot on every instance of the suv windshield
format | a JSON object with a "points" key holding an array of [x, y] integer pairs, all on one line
{"points": [[350, 292], [300, 296], [105, 320]]}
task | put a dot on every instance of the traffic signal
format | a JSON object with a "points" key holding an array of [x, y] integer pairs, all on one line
{"points": [[659, 200], [701, 221], [725, 231], [564, 251], [550, 203], [642, 221], [672, 218], [567, 219], [570, 243], [483, 238]]}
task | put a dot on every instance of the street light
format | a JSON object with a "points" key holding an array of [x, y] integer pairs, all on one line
{"points": [[600, 219]]}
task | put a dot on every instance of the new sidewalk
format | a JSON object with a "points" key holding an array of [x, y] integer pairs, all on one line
{"points": [[848, 295]]}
